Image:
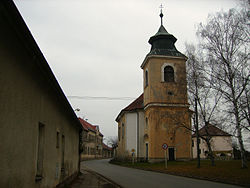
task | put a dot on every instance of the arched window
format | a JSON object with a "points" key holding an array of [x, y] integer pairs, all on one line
{"points": [[168, 74], [146, 78]]}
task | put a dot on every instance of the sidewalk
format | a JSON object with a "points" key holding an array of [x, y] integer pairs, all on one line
{"points": [[90, 179]]}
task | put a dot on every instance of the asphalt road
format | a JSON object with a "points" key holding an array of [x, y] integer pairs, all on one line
{"points": [[134, 178]]}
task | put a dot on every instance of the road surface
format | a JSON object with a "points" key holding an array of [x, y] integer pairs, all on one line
{"points": [[134, 178]]}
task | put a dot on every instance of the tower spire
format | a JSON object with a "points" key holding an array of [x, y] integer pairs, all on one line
{"points": [[161, 14]]}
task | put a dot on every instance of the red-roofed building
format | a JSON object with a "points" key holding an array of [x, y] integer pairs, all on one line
{"points": [[92, 140], [221, 142]]}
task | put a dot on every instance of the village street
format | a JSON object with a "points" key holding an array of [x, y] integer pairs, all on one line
{"points": [[134, 178]]}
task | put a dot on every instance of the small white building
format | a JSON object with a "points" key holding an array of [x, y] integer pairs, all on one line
{"points": [[221, 143]]}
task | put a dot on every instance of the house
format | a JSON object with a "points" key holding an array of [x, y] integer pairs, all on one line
{"points": [[160, 115], [92, 140], [221, 143], [106, 151], [39, 130]]}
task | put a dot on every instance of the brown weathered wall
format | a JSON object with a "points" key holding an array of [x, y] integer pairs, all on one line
{"points": [[166, 107], [121, 150], [165, 126], [26, 98], [157, 91]]}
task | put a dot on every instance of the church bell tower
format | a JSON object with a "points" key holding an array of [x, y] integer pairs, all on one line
{"points": [[167, 114]]}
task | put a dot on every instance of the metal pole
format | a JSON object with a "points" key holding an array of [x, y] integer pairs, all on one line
{"points": [[166, 160]]}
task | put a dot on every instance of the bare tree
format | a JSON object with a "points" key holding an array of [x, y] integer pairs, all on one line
{"points": [[202, 96], [112, 141], [225, 39]]}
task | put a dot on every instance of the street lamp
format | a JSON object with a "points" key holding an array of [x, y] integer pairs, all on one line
{"points": [[77, 110]]}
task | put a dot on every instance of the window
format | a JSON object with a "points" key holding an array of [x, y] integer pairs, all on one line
{"points": [[122, 130], [57, 139], [146, 123], [146, 78], [119, 133], [40, 151], [168, 74], [63, 151]]}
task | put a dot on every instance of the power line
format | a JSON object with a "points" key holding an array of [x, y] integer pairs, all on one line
{"points": [[99, 98]]}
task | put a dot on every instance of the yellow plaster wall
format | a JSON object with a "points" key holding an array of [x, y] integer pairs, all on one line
{"points": [[167, 125], [157, 90], [121, 142]]}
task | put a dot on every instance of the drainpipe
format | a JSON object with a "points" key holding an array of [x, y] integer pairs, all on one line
{"points": [[138, 140]]}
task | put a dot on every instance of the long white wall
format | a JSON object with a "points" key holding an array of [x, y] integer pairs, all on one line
{"points": [[131, 131]]}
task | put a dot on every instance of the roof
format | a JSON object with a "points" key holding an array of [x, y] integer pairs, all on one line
{"points": [[163, 43], [212, 131], [13, 18], [135, 105], [89, 127], [104, 146], [86, 125]]}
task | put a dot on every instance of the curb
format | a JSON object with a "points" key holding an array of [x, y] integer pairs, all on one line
{"points": [[116, 185]]}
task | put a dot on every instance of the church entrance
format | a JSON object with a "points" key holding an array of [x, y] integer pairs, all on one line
{"points": [[171, 154], [146, 151]]}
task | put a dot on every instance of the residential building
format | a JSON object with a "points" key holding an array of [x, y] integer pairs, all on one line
{"points": [[161, 114], [39, 130], [92, 140], [221, 143], [106, 151]]}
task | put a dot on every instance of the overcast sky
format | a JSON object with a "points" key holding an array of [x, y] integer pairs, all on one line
{"points": [[95, 47]]}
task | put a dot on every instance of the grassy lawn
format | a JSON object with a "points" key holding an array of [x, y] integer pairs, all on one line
{"points": [[224, 171]]}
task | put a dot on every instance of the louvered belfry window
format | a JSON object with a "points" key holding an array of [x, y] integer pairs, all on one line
{"points": [[168, 74]]}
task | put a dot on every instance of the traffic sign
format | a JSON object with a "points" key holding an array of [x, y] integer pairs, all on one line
{"points": [[133, 150], [164, 146]]}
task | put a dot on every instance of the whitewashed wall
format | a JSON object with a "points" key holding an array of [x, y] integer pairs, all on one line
{"points": [[131, 132]]}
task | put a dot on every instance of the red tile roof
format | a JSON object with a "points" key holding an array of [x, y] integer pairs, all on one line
{"points": [[86, 125], [136, 104], [212, 131]]}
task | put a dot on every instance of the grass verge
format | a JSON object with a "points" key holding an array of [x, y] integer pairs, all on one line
{"points": [[224, 171]]}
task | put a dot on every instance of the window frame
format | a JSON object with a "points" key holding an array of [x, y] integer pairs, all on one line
{"points": [[163, 72], [146, 78]]}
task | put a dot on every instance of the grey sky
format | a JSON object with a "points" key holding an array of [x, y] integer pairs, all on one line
{"points": [[96, 47]]}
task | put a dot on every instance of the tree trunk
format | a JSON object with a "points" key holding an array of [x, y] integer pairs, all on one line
{"points": [[210, 152], [208, 142], [240, 140], [239, 129], [197, 135]]}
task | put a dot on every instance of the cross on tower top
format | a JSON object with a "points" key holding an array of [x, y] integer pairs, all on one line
{"points": [[161, 15]]}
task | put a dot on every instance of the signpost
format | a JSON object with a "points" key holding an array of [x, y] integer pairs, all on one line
{"points": [[165, 147]]}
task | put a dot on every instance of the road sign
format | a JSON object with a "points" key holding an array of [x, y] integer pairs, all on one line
{"points": [[164, 146]]}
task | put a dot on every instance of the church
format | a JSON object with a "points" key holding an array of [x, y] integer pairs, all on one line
{"points": [[160, 115]]}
